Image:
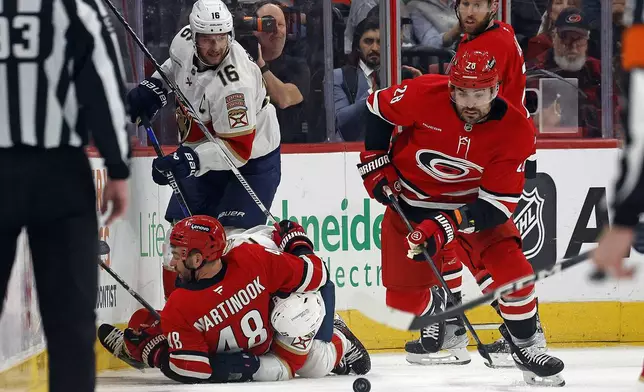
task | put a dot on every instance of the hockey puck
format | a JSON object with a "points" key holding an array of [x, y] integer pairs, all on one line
{"points": [[361, 384]]}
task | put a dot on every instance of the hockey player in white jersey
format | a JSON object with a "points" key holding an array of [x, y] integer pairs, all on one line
{"points": [[226, 89]]}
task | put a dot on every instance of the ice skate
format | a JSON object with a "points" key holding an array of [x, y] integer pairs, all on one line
{"points": [[501, 353], [356, 358], [538, 368], [112, 339], [443, 343], [453, 350]]}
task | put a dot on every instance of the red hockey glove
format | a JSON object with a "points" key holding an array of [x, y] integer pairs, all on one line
{"points": [[433, 233], [377, 172], [147, 344], [291, 238]]}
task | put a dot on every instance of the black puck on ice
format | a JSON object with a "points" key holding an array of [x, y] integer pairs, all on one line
{"points": [[361, 384]]}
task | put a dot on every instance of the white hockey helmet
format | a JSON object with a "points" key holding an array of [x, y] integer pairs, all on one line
{"points": [[210, 17], [299, 314]]}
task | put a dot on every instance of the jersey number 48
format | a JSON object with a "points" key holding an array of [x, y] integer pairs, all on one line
{"points": [[253, 329]]}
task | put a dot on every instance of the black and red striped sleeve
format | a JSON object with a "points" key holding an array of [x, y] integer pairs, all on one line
{"points": [[187, 360], [503, 180]]}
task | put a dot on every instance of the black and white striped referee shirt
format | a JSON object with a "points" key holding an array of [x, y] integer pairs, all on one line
{"points": [[629, 195], [61, 79]]}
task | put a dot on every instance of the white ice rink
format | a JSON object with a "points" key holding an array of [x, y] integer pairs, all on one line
{"points": [[587, 370]]}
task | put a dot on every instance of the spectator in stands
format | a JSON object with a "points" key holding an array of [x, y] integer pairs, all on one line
{"points": [[434, 22], [287, 78], [569, 58], [357, 13], [543, 41], [526, 18], [353, 83]]}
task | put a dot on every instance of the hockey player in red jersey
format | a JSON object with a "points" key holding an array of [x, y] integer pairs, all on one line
{"points": [[482, 32], [217, 326], [457, 168]]}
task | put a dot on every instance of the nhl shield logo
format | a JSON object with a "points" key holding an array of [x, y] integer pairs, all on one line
{"points": [[529, 221], [536, 219]]}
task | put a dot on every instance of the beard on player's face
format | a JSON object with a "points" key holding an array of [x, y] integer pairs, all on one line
{"points": [[472, 115], [474, 16], [211, 48]]}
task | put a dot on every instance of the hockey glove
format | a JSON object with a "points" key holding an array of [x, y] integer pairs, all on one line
{"points": [[146, 99], [235, 367], [182, 163], [146, 345], [377, 172], [291, 238], [433, 234]]}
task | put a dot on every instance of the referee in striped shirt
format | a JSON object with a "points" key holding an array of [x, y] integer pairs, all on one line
{"points": [[60, 85], [616, 241]]}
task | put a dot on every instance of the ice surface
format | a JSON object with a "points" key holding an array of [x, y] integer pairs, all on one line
{"points": [[614, 369]]}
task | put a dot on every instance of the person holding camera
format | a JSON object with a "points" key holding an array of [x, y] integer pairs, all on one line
{"points": [[226, 88], [287, 77]]}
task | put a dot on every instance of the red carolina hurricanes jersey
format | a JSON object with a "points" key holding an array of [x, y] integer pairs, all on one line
{"points": [[443, 162], [500, 41], [231, 312]]}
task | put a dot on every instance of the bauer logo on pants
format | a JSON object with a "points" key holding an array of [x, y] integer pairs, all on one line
{"points": [[536, 219]]}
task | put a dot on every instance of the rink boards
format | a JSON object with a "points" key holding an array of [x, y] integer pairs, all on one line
{"points": [[558, 217]]}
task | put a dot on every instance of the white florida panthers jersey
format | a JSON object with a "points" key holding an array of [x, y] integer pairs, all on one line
{"points": [[230, 99]]}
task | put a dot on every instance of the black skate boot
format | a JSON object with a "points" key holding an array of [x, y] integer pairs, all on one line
{"points": [[500, 351], [453, 350], [538, 367], [112, 339], [443, 343], [356, 358]]}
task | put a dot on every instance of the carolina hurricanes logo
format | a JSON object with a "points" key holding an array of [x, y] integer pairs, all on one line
{"points": [[574, 18], [446, 168]]}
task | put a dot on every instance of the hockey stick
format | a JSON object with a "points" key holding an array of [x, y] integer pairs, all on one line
{"points": [[479, 345], [184, 101], [104, 249], [174, 184], [405, 321]]}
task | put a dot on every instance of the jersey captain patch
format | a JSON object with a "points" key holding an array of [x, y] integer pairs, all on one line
{"points": [[237, 110]]}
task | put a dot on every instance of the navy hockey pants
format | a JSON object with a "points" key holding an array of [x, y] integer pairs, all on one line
{"points": [[220, 194]]}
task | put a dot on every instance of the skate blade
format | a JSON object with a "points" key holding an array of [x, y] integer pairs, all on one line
{"points": [[500, 361], [549, 381], [443, 357]]}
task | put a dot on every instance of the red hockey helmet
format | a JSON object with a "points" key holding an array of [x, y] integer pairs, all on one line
{"points": [[201, 232], [474, 69]]}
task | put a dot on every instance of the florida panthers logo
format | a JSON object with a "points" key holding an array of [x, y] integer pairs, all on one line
{"points": [[446, 168]]}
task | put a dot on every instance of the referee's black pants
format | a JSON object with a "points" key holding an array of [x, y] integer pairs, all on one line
{"points": [[51, 194]]}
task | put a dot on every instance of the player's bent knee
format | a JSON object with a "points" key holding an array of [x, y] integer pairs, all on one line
{"points": [[320, 361]]}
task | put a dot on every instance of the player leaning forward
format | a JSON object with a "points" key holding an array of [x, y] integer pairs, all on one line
{"points": [[457, 168], [247, 309], [226, 89]]}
